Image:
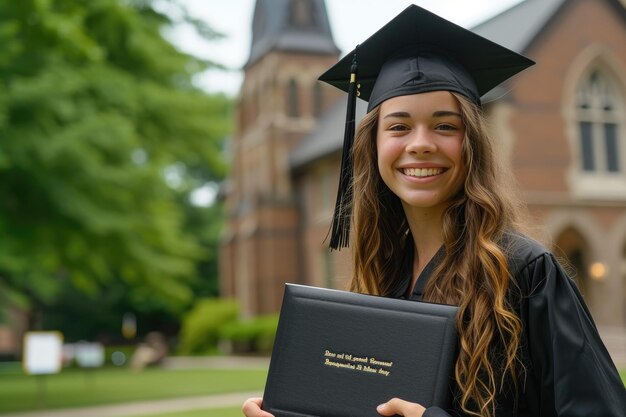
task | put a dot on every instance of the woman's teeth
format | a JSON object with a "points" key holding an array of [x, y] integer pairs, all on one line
{"points": [[422, 172]]}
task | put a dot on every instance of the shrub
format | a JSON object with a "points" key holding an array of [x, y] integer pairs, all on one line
{"points": [[200, 327], [255, 335]]}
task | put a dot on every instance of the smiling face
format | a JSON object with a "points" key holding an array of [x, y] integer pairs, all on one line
{"points": [[420, 143]]}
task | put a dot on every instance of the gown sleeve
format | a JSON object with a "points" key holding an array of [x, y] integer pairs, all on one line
{"points": [[435, 412], [569, 370]]}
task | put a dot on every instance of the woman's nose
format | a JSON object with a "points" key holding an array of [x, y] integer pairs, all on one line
{"points": [[420, 141]]}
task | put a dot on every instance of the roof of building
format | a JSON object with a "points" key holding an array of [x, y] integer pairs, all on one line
{"points": [[327, 137], [516, 27], [292, 26]]}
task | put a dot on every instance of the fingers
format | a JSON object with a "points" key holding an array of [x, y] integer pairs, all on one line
{"points": [[252, 408], [401, 407]]}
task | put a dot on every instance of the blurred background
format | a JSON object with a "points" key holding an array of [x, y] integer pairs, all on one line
{"points": [[167, 165]]}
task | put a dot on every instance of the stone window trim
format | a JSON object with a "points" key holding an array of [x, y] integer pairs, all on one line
{"points": [[293, 98], [602, 175]]}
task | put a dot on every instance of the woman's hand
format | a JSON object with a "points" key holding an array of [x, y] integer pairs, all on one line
{"points": [[400, 407], [252, 408]]}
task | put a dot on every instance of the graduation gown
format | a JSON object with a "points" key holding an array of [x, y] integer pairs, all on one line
{"points": [[568, 369]]}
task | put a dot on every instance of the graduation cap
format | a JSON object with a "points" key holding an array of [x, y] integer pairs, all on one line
{"points": [[415, 52]]}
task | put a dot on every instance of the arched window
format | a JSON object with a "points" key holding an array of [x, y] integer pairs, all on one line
{"points": [[293, 99], [596, 115], [599, 130], [318, 99], [254, 105]]}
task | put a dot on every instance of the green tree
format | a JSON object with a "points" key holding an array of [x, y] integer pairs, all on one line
{"points": [[102, 137]]}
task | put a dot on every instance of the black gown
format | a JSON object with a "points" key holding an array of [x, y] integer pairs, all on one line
{"points": [[568, 369]]}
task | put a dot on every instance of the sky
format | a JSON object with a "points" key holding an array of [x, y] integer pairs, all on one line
{"points": [[233, 18]]}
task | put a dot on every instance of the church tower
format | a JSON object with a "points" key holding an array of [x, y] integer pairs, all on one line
{"points": [[279, 103]]}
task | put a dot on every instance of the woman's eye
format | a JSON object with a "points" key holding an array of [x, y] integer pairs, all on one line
{"points": [[397, 128], [445, 127]]}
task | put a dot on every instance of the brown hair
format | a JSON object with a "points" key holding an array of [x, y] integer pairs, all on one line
{"points": [[474, 273]]}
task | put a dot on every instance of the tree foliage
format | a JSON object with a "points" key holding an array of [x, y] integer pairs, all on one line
{"points": [[102, 136]]}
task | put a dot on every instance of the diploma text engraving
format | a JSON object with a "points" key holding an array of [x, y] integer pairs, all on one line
{"points": [[353, 362]]}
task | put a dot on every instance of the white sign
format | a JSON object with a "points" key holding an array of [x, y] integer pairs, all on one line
{"points": [[43, 352]]}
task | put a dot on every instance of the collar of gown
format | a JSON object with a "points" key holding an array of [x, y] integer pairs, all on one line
{"points": [[402, 288]]}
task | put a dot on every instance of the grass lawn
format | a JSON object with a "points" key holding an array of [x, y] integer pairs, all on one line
{"points": [[76, 388]]}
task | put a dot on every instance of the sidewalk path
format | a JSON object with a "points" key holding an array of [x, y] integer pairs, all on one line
{"points": [[216, 362], [150, 407]]}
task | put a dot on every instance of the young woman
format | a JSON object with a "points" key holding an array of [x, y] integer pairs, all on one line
{"points": [[433, 220]]}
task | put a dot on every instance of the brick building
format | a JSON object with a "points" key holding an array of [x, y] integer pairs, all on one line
{"points": [[562, 124]]}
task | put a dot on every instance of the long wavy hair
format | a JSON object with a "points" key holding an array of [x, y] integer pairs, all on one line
{"points": [[474, 273]]}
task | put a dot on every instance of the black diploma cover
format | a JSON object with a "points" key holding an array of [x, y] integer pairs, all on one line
{"points": [[341, 354]]}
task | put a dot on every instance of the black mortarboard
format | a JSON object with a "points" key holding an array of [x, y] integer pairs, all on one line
{"points": [[415, 52]]}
